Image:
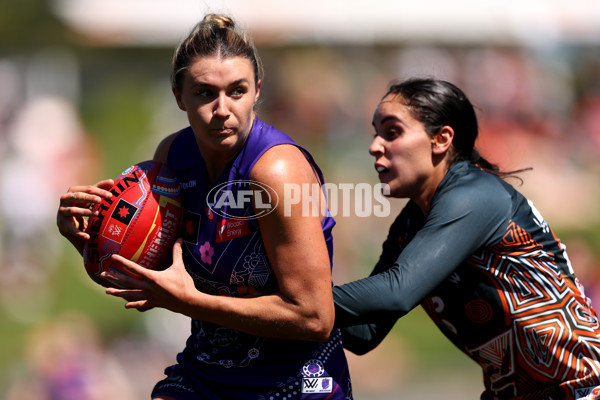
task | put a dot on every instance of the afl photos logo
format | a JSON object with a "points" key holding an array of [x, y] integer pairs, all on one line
{"points": [[242, 199]]}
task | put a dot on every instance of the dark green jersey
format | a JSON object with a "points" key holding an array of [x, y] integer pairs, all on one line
{"points": [[490, 273]]}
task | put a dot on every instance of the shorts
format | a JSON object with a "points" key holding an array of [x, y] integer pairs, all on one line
{"points": [[178, 385], [182, 385]]}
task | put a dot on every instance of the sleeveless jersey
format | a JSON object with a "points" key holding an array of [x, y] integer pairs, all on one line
{"points": [[223, 249]]}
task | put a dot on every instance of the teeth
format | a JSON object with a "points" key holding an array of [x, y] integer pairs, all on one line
{"points": [[381, 169]]}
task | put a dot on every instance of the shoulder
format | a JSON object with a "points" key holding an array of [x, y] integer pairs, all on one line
{"points": [[468, 189], [162, 150], [403, 228], [283, 163]]}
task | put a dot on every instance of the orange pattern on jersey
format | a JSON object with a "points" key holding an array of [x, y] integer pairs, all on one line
{"points": [[551, 347]]}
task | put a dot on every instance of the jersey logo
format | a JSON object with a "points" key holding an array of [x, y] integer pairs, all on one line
{"points": [[313, 381], [190, 227], [228, 229], [588, 393], [317, 385]]}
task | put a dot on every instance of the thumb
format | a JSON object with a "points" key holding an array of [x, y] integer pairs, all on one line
{"points": [[178, 252]]}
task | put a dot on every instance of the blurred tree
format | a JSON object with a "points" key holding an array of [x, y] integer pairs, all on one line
{"points": [[26, 25]]}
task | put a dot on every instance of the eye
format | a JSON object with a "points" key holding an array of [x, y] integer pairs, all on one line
{"points": [[388, 134], [392, 133], [238, 92], [204, 93]]}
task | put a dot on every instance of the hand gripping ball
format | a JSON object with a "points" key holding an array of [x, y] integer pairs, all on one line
{"points": [[140, 222]]}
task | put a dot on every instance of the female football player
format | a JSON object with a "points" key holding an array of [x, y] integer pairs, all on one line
{"points": [[280, 345], [474, 253]]}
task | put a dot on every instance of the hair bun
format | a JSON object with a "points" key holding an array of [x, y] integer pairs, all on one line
{"points": [[219, 21]]}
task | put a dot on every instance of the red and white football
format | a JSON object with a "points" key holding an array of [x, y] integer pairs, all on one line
{"points": [[140, 222]]}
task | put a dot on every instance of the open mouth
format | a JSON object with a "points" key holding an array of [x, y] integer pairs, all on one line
{"points": [[381, 169]]}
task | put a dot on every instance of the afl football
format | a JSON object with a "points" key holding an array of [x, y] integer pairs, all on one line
{"points": [[139, 222]]}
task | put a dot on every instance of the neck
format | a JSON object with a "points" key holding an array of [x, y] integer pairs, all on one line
{"points": [[217, 159], [425, 197], [215, 164]]}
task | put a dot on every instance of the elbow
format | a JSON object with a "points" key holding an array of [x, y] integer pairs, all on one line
{"points": [[359, 342], [361, 339], [319, 328]]}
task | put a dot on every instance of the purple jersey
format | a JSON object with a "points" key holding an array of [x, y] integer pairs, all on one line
{"points": [[222, 250]]}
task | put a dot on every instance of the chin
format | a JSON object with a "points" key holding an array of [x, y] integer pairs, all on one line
{"points": [[397, 193], [227, 143]]}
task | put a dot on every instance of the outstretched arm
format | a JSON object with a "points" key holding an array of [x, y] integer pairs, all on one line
{"points": [[461, 223]]}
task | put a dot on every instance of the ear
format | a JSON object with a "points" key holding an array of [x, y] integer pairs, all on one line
{"points": [[442, 141], [258, 86], [177, 95]]}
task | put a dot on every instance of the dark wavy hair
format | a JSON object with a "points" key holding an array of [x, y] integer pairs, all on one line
{"points": [[438, 103]]}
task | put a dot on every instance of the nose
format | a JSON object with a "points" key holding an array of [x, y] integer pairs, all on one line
{"points": [[221, 109], [376, 147]]}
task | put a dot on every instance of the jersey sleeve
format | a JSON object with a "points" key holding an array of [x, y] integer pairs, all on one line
{"points": [[462, 219]]}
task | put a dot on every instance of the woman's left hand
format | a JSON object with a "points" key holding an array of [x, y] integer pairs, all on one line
{"points": [[172, 288]]}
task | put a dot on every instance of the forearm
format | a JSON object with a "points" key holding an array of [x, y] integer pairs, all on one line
{"points": [[287, 314], [271, 315], [377, 297], [403, 278]]}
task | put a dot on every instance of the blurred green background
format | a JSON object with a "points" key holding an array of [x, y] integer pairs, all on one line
{"points": [[79, 103]]}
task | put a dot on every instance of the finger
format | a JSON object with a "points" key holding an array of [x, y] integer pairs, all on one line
{"points": [[71, 210], [83, 199], [72, 232], [129, 266], [100, 189], [123, 280], [131, 295], [105, 184], [142, 305], [178, 251], [70, 224], [88, 193], [135, 298]]}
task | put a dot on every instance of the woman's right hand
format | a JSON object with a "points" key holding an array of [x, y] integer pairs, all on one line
{"points": [[75, 209]]}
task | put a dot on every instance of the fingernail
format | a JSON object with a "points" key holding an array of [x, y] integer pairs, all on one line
{"points": [[107, 275]]}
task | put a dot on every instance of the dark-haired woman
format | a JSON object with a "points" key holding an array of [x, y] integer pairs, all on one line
{"points": [[276, 346], [474, 253]]}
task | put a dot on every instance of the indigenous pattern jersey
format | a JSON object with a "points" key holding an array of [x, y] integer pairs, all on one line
{"points": [[222, 250], [490, 273]]}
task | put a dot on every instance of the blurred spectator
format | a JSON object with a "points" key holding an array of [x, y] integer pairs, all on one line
{"points": [[65, 360], [587, 267], [46, 149]]}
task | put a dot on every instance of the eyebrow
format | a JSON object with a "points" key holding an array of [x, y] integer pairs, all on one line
{"points": [[234, 83], [386, 119]]}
